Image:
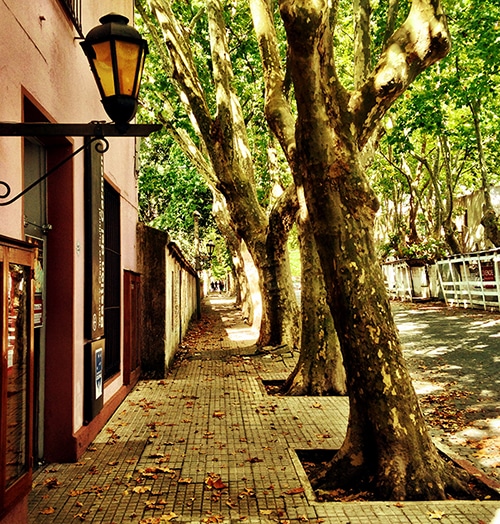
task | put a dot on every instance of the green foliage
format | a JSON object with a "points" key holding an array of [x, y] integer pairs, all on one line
{"points": [[436, 109], [171, 190], [430, 249], [294, 255]]}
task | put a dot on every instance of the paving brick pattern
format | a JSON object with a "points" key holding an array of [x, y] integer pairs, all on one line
{"points": [[207, 444]]}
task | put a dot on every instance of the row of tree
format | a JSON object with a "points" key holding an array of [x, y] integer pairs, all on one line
{"points": [[441, 141], [281, 110]]}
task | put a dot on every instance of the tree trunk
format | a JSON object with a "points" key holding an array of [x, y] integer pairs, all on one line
{"points": [[244, 270], [387, 446], [387, 439], [281, 298], [319, 370], [489, 219], [224, 154]]}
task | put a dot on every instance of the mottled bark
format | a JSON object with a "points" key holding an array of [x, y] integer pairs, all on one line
{"points": [[243, 280], [387, 446], [319, 370], [282, 301], [489, 220], [224, 154]]}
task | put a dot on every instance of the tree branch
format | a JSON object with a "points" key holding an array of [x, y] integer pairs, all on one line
{"points": [[277, 109], [422, 40]]}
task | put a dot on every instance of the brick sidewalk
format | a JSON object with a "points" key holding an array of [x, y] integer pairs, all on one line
{"points": [[207, 444]]}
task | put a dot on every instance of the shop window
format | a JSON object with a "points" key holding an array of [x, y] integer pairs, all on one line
{"points": [[16, 372]]}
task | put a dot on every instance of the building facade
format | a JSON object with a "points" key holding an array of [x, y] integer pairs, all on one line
{"points": [[70, 286]]}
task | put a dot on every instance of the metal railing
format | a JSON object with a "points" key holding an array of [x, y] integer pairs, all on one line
{"points": [[74, 10], [472, 279]]}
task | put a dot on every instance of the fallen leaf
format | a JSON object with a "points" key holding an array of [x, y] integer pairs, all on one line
{"points": [[82, 516], [47, 511], [218, 484], [167, 518], [294, 491], [141, 489], [253, 460], [247, 492], [438, 515], [218, 414], [215, 482], [186, 480], [51, 483]]}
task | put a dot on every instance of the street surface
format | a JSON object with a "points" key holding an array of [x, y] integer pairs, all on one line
{"points": [[454, 358], [209, 444]]}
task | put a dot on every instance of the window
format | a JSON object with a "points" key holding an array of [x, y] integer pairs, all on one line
{"points": [[16, 373], [112, 281]]}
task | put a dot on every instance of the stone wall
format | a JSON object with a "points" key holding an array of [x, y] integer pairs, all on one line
{"points": [[168, 299]]}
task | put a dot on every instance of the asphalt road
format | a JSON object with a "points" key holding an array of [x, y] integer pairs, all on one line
{"points": [[454, 358]]}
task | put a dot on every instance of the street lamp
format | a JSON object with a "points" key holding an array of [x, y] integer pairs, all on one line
{"points": [[116, 54], [210, 248]]}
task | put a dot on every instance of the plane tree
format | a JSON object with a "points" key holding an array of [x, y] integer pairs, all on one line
{"points": [[196, 100], [213, 114], [442, 139], [387, 446]]}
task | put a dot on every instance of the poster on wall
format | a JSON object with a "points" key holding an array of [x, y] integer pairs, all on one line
{"points": [[98, 372]]}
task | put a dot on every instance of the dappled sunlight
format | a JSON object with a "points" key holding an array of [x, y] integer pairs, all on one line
{"points": [[488, 393], [245, 334], [454, 363], [411, 327], [426, 388], [485, 324], [483, 436]]}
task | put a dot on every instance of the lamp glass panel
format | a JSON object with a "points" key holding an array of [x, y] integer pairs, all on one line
{"points": [[127, 56], [139, 73], [103, 64]]}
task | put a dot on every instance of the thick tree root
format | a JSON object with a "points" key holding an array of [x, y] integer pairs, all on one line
{"points": [[440, 482]]}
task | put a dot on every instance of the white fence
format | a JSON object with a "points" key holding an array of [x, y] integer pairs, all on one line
{"points": [[471, 280], [410, 279]]}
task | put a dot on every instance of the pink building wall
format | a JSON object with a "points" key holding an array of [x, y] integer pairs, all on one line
{"points": [[41, 59]]}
